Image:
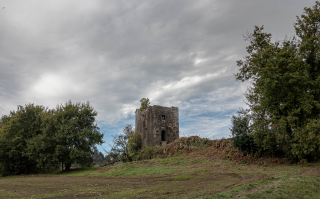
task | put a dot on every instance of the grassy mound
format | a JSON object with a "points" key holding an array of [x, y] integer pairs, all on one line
{"points": [[191, 167], [195, 146]]}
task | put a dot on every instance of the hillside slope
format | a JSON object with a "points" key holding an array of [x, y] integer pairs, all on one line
{"points": [[188, 168]]}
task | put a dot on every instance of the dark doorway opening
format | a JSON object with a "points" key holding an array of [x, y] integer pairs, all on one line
{"points": [[163, 117], [163, 135]]}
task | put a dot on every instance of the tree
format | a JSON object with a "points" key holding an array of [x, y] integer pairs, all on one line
{"points": [[145, 103], [241, 132], [125, 145], [42, 148], [16, 131], [76, 133], [284, 95], [120, 149], [35, 139], [134, 144]]}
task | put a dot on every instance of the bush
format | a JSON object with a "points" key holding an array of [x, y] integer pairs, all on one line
{"points": [[134, 145], [241, 132], [126, 146]]}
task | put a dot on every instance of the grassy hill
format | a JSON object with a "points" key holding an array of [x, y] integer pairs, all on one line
{"points": [[189, 168]]}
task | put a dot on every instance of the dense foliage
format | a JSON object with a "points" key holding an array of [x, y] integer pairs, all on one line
{"points": [[16, 131], [284, 96], [241, 132], [34, 138]]}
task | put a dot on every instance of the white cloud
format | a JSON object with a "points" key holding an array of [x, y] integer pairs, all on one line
{"points": [[51, 85]]}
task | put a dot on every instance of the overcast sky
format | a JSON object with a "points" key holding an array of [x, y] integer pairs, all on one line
{"points": [[179, 53]]}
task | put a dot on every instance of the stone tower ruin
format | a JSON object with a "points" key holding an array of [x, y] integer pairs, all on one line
{"points": [[157, 125]]}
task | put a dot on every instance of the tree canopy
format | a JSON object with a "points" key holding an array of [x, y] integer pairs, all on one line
{"points": [[284, 96], [34, 138], [16, 131]]}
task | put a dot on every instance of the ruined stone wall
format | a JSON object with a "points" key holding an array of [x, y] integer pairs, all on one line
{"points": [[157, 120]]}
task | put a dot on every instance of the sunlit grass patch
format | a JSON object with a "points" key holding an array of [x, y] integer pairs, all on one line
{"points": [[170, 161], [300, 187]]}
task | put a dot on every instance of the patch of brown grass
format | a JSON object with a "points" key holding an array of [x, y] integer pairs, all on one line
{"points": [[195, 146]]}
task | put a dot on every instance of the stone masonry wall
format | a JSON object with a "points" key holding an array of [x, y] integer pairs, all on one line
{"points": [[154, 121]]}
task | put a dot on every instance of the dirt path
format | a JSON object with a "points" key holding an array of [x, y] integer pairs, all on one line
{"points": [[165, 186]]}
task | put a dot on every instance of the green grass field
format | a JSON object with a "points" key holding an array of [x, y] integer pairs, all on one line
{"points": [[175, 177]]}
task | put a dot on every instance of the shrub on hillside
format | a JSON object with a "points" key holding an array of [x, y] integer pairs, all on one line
{"points": [[241, 132], [126, 146]]}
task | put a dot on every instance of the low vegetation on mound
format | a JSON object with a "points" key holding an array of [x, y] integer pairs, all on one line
{"points": [[194, 146]]}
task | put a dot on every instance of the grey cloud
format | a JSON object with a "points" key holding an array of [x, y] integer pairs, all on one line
{"points": [[113, 53]]}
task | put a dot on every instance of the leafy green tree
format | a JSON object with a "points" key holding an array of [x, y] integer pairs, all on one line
{"points": [[16, 130], [284, 92], [35, 139], [145, 103], [42, 148], [241, 132], [76, 133]]}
